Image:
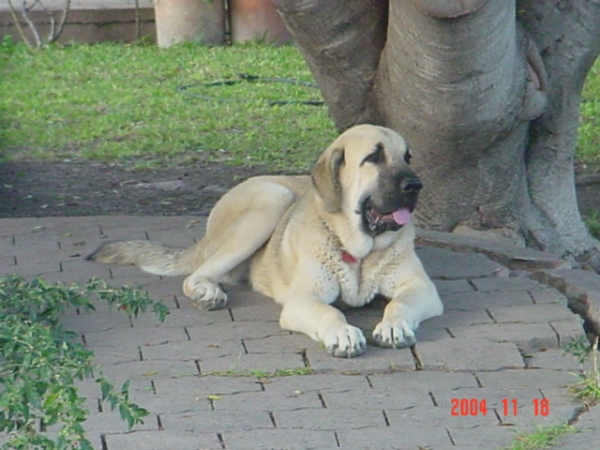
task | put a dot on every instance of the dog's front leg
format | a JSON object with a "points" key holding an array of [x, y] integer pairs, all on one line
{"points": [[411, 304], [323, 323]]}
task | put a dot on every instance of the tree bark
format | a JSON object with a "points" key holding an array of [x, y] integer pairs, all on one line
{"points": [[491, 119]]}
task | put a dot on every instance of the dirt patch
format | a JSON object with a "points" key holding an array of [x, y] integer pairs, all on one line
{"points": [[38, 189]]}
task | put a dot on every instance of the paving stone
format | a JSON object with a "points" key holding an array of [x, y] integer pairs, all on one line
{"points": [[555, 359], [376, 359], [154, 336], [528, 337], [261, 363], [184, 316], [333, 419], [457, 318], [279, 439], [107, 355], [79, 275], [423, 380], [261, 401], [266, 311], [236, 330], [449, 287], [377, 399], [484, 438], [7, 263], [527, 378], [407, 436], [34, 269], [316, 383], [468, 301], [568, 331], [449, 265], [294, 343], [531, 313], [547, 295], [182, 395], [560, 396], [161, 440], [506, 284], [463, 354], [193, 350], [151, 370], [217, 421], [588, 434]]}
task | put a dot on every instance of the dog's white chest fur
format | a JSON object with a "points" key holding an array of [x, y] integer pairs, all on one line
{"points": [[356, 288]]}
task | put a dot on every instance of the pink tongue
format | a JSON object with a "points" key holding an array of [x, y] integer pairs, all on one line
{"points": [[402, 216]]}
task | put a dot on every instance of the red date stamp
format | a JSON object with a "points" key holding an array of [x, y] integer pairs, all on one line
{"points": [[462, 407]]}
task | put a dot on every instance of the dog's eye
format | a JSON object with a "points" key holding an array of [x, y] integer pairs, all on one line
{"points": [[407, 156], [377, 157]]}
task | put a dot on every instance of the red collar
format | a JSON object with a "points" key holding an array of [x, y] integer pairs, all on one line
{"points": [[347, 257]]}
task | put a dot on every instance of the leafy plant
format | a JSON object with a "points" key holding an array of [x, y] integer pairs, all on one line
{"points": [[40, 361], [587, 389]]}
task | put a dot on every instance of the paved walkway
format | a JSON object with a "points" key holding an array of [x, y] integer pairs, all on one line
{"points": [[498, 342], [58, 5]]}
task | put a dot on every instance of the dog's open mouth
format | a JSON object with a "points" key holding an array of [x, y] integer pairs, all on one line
{"points": [[376, 222]]}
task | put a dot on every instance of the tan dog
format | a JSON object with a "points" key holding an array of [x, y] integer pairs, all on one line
{"points": [[344, 234]]}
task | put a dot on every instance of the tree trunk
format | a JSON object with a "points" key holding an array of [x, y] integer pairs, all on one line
{"points": [[491, 119]]}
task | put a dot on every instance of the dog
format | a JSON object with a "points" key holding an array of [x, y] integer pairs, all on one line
{"points": [[343, 233]]}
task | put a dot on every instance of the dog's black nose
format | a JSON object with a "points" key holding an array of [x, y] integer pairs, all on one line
{"points": [[411, 185]]}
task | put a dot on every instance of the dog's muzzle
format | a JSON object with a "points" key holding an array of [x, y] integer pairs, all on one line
{"points": [[393, 211]]}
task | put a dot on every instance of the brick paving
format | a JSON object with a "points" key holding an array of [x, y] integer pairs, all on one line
{"points": [[200, 374]]}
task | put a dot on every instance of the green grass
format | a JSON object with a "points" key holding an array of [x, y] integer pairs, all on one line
{"points": [[124, 104], [543, 438], [593, 224], [588, 146], [120, 103]]}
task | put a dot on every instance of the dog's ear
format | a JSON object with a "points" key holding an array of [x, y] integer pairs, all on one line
{"points": [[325, 175]]}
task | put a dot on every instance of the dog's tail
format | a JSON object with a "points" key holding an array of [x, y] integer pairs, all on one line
{"points": [[152, 257]]}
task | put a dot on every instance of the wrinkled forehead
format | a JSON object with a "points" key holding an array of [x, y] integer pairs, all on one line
{"points": [[360, 142]]}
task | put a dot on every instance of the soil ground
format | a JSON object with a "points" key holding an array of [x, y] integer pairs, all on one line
{"points": [[46, 188]]}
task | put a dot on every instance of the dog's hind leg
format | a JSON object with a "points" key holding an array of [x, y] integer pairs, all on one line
{"points": [[240, 224]]}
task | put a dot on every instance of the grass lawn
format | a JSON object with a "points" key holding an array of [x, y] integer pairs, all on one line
{"points": [[120, 103], [145, 105]]}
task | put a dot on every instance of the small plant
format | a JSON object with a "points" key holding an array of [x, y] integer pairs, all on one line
{"points": [[40, 362], [593, 224], [587, 389], [543, 438]]}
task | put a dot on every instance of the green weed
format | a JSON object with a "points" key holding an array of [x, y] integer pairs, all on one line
{"points": [[587, 389], [543, 438], [593, 224]]}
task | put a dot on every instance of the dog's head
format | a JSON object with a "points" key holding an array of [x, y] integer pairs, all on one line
{"points": [[366, 172]]}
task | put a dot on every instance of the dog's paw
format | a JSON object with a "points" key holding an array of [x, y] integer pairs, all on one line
{"points": [[394, 334], [345, 341], [205, 294]]}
